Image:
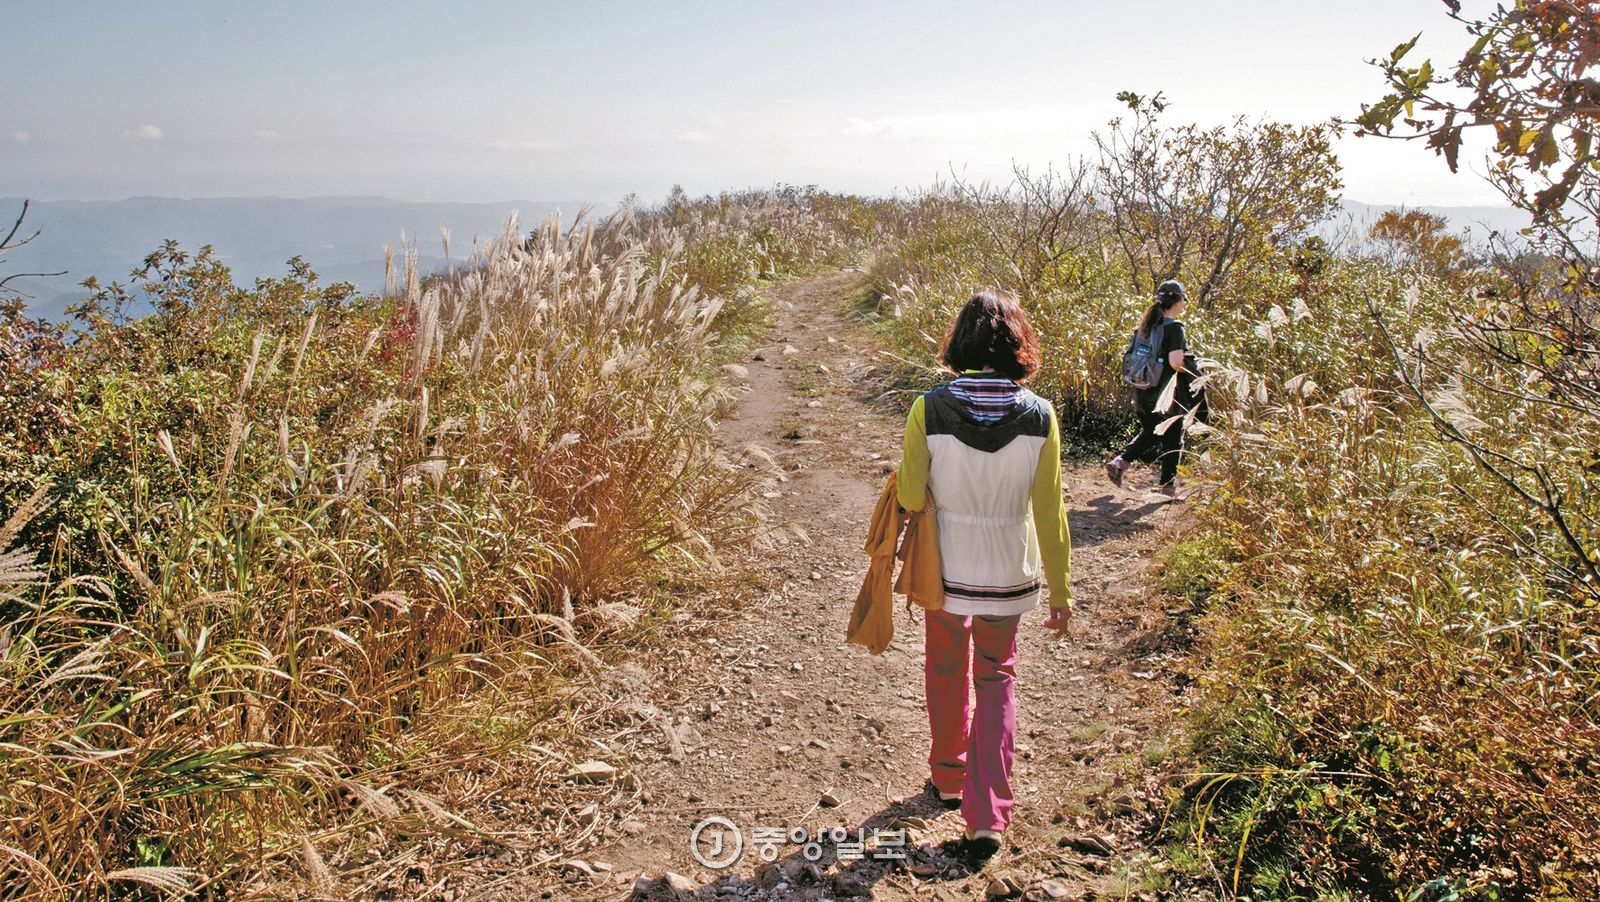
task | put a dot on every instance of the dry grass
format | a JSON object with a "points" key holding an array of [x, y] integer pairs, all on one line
{"points": [[297, 538], [1399, 658]]}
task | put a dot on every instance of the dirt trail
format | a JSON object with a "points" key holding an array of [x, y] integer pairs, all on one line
{"points": [[778, 723]]}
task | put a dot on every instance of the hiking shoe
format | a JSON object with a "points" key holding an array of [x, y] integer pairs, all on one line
{"points": [[1171, 491], [946, 799], [1114, 472], [981, 845]]}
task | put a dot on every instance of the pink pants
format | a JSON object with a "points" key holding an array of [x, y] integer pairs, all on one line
{"points": [[973, 755]]}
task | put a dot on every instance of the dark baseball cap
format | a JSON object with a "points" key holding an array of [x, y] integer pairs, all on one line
{"points": [[1171, 288]]}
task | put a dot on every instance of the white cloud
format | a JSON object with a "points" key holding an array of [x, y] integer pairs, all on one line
{"points": [[856, 127], [691, 137], [147, 131], [266, 133], [957, 125], [21, 137], [521, 145]]}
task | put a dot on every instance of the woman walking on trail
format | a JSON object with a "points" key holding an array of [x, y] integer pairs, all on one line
{"points": [[990, 452], [1161, 317]]}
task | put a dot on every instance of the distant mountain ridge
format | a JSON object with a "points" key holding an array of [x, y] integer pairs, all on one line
{"points": [[341, 237], [1478, 222]]}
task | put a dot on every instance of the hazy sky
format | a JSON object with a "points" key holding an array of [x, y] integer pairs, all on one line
{"points": [[491, 100]]}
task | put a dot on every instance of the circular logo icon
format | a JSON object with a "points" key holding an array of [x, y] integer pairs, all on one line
{"points": [[716, 843]]}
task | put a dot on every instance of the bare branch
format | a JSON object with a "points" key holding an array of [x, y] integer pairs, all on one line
{"points": [[28, 275], [10, 241], [1585, 577]]}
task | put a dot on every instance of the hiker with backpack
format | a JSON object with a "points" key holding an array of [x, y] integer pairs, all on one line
{"points": [[1154, 359]]}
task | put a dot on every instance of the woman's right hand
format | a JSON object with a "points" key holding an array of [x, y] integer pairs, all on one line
{"points": [[1060, 620]]}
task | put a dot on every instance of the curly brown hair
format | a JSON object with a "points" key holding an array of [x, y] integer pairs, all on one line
{"points": [[992, 331]]}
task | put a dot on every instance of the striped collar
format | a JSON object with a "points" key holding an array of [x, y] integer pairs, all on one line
{"points": [[985, 396]]}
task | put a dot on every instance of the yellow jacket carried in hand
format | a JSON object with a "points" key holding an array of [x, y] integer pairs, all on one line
{"points": [[921, 581]]}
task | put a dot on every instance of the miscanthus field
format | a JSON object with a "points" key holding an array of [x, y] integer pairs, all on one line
{"points": [[267, 548]]}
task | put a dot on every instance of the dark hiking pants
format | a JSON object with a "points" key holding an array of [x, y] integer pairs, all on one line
{"points": [[1147, 447]]}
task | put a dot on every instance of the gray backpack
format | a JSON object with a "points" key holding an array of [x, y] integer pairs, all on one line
{"points": [[1142, 363]]}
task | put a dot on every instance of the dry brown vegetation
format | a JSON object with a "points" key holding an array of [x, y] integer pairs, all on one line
{"points": [[285, 528], [260, 542], [1396, 536]]}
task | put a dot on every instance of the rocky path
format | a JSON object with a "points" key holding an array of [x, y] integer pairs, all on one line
{"points": [[776, 723]]}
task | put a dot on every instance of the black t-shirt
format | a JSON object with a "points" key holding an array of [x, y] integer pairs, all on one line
{"points": [[1172, 339]]}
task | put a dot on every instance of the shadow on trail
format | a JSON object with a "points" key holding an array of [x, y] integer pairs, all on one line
{"points": [[1109, 519]]}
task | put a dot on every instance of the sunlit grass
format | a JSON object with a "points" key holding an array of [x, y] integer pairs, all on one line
{"points": [[1398, 668], [288, 530]]}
